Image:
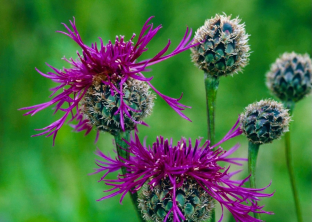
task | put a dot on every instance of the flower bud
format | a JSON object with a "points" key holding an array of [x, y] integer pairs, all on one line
{"points": [[192, 200], [223, 48], [290, 77], [264, 121], [100, 105]]}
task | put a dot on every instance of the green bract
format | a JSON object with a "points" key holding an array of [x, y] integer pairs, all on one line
{"points": [[290, 77], [223, 49], [192, 200], [264, 121], [99, 105]]}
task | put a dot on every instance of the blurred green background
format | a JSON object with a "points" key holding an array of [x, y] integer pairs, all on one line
{"points": [[39, 182]]}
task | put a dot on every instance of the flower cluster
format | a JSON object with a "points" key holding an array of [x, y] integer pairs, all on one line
{"points": [[105, 88], [112, 65], [176, 179]]}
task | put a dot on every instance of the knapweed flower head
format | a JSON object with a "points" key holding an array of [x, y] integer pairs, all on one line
{"points": [[179, 182], [99, 105], [290, 77], [105, 87], [223, 48], [265, 121]]}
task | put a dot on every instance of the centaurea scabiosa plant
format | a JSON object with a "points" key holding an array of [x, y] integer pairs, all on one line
{"points": [[179, 182], [105, 87], [262, 122], [290, 79]]}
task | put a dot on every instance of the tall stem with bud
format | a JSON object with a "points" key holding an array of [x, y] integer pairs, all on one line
{"points": [[221, 50], [262, 122], [290, 79]]}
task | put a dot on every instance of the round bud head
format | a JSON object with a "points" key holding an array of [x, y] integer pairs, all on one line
{"points": [[100, 104], [193, 201], [264, 121], [290, 77], [223, 48]]}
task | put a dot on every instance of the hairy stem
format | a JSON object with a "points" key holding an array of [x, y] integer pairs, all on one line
{"points": [[291, 106], [122, 148], [211, 85], [253, 149]]}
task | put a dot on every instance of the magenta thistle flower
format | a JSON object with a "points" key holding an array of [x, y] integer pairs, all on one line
{"points": [[110, 66], [179, 182]]}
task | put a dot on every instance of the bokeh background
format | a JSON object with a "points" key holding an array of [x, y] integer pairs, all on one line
{"points": [[39, 182]]}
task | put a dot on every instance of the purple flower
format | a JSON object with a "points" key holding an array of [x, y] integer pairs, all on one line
{"points": [[176, 166], [112, 64]]}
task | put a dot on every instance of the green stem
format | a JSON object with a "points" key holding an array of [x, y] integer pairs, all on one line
{"points": [[253, 149], [291, 106], [211, 85], [231, 218], [213, 214], [122, 152]]}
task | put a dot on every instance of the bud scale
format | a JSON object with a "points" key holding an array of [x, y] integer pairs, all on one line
{"points": [[264, 121], [290, 77], [223, 49], [191, 198], [99, 105]]}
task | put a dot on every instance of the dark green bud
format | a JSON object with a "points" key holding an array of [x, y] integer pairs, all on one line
{"points": [[223, 49], [264, 121], [290, 77], [191, 198]]}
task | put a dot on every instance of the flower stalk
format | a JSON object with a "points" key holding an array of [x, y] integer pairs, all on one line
{"points": [[291, 106], [122, 148], [253, 149], [211, 85]]}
